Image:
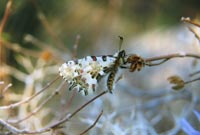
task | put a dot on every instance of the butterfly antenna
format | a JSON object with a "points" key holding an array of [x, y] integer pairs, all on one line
{"points": [[120, 42]]}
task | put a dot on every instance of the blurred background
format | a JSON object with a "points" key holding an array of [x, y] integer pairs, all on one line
{"points": [[39, 35], [92, 20]]}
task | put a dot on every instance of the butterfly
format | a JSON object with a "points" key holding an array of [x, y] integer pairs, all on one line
{"points": [[84, 74]]}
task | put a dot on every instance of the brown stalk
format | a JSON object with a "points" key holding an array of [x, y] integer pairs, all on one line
{"points": [[2, 26], [75, 112], [41, 105], [5, 17], [95, 122], [28, 99], [190, 21], [194, 32], [165, 58]]}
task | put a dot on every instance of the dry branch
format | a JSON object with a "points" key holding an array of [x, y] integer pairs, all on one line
{"points": [[75, 112], [90, 127], [28, 99]]}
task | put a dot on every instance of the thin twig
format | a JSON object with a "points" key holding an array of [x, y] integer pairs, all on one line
{"points": [[16, 131], [70, 100], [41, 105], [5, 17], [170, 56], [189, 21], [2, 26], [156, 64], [5, 89], [49, 128], [192, 74], [35, 41], [75, 112], [18, 48], [11, 128], [43, 46], [90, 127], [193, 80], [28, 99], [194, 32]]}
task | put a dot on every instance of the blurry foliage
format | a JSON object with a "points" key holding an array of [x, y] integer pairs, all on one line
{"points": [[91, 18]]}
